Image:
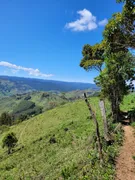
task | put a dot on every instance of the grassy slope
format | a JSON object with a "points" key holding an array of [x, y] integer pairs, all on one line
{"points": [[128, 102], [8, 104], [40, 159]]}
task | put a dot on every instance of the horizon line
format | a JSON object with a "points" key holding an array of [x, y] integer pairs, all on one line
{"points": [[48, 79]]}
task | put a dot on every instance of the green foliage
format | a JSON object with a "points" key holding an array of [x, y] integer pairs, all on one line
{"points": [[113, 36], [119, 1], [93, 57], [23, 117], [28, 97], [3, 128], [23, 106], [127, 104], [119, 36], [43, 101], [45, 95], [72, 145], [113, 79], [133, 158], [133, 124], [73, 156], [6, 119], [68, 170], [9, 141], [119, 70], [119, 32]]}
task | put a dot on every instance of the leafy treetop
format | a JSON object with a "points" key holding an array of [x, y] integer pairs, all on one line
{"points": [[119, 33], [93, 57], [10, 141]]}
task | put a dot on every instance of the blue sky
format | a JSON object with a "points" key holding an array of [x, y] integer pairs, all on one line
{"points": [[44, 38]]}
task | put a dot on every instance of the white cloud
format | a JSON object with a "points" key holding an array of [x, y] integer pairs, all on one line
{"points": [[86, 22], [30, 71], [103, 22]]}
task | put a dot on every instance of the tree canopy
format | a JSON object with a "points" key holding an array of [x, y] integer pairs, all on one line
{"points": [[93, 57], [119, 33], [9, 141], [114, 52], [5, 119]]}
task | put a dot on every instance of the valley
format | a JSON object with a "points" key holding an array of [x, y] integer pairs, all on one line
{"points": [[72, 152], [18, 85], [67, 90]]}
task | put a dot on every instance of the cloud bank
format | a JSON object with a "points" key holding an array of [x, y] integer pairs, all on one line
{"points": [[86, 22], [30, 71]]}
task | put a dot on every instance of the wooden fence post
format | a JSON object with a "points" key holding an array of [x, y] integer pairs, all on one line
{"points": [[97, 128], [103, 113]]}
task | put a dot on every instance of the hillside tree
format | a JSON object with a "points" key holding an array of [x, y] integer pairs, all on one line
{"points": [[9, 141], [119, 36], [6, 119]]}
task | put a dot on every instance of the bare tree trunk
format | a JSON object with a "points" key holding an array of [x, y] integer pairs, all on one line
{"points": [[115, 105], [103, 112], [97, 128], [9, 150], [117, 109], [112, 108]]}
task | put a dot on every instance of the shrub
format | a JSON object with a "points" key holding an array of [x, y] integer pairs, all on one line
{"points": [[52, 140], [132, 101], [44, 95], [133, 124], [5, 119], [9, 141], [133, 158], [28, 97], [22, 117]]}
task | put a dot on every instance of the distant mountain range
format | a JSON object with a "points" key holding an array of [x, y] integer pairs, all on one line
{"points": [[19, 85]]}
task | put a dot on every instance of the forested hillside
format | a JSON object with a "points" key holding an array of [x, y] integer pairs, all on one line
{"points": [[17, 85], [22, 106]]}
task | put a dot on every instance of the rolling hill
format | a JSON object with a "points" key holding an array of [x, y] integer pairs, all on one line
{"points": [[59, 144], [39, 99], [18, 85]]}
